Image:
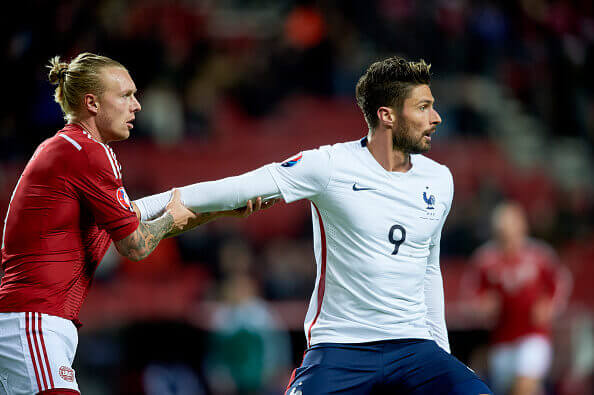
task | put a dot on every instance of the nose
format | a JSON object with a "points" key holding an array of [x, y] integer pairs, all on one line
{"points": [[136, 105], [435, 118]]}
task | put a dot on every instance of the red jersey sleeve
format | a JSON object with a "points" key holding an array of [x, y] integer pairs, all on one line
{"points": [[97, 180]]}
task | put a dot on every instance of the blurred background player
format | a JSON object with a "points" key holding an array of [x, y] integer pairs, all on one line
{"points": [[518, 282], [376, 320], [65, 211]]}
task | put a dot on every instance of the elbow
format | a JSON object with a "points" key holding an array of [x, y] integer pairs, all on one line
{"points": [[131, 253], [134, 256]]}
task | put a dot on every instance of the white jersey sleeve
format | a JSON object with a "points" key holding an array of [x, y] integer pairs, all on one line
{"points": [[304, 175], [433, 283], [226, 194], [299, 177]]}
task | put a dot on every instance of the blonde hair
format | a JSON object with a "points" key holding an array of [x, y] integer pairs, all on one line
{"points": [[76, 79]]}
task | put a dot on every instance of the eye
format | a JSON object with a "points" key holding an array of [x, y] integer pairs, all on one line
{"points": [[423, 107]]}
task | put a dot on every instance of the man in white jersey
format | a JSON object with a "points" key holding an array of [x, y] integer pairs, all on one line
{"points": [[375, 322]]}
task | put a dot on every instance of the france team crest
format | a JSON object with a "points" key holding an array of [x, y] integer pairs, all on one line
{"points": [[430, 200], [123, 199], [430, 210], [292, 161]]}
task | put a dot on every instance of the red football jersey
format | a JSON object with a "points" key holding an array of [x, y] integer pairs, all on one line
{"points": [[520, 281], [67, 207]]}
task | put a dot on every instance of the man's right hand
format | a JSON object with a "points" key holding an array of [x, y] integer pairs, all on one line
{"points": [[180, 213], [140, 243]]}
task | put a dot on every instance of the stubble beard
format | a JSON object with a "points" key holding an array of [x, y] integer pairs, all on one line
{"points": [[404, 140]]}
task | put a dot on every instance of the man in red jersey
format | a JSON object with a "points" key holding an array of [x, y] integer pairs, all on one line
{"points": [[66, 209], [518, 281]]}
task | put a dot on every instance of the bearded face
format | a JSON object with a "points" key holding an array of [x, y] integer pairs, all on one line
{"points": [[409, 140], [416, 122]]}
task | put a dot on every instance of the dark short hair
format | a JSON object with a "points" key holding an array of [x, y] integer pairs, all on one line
{"points": [[387, 83]]}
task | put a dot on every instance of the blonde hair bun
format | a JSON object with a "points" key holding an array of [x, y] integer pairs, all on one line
{"points": [[57, 70]]}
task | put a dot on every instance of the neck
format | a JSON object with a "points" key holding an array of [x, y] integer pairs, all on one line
{"points": [[381, 146], [511, 246], [89, 126]]}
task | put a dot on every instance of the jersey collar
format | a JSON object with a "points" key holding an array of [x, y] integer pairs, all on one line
{"points": [[374, 163]]}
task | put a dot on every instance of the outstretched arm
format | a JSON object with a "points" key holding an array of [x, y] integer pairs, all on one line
{"points": [[140, 243], [215, 196], [306, 176]]}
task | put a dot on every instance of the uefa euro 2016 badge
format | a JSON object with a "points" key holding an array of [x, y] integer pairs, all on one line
{"points": [[293, 160], [123, 199]]}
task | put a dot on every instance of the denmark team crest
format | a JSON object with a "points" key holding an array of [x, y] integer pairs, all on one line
{"points": [[66, 373], [123, 199]]}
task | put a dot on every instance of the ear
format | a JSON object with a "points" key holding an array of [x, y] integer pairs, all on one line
{"points": [[386, 116], [91, 103]]}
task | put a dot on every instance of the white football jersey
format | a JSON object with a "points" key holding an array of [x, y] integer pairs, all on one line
{"points": [[376, 240]]}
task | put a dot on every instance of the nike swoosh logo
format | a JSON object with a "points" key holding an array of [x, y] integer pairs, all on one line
{"points": [[356, 188]]}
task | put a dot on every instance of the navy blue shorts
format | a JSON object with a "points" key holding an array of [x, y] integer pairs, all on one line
{"points": [[406, 366]]}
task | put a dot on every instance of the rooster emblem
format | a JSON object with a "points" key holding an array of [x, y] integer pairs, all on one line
{"points": [[430, 200]]}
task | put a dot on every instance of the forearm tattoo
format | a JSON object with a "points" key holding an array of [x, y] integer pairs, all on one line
{"points": [[145, 239], [201, 219]]}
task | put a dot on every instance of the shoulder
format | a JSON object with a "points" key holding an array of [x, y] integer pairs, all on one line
{"points": [[431, 165], [61, 148], [310, 156], [429, 168], [338, 151], [88, 153], [336, 148], [542, 250], [440, 175], [338, 154], [345, 147], [485, 255], [320, 160]]}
